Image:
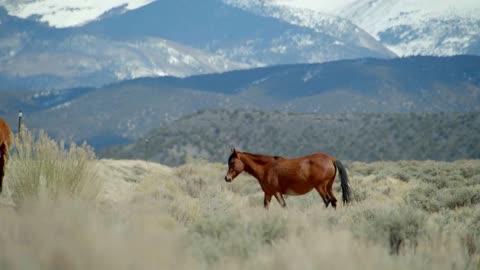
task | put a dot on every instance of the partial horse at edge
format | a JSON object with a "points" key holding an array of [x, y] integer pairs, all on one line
{"points": [[6, 138]]}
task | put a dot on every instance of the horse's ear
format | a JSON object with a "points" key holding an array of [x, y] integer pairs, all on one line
{"points": [[234, 150]]}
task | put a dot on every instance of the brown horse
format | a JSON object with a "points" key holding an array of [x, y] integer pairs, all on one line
{"points": [[5, 142], [280, 176]]}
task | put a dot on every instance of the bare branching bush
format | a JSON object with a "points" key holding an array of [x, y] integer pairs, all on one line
{"points": [[42, 168]]}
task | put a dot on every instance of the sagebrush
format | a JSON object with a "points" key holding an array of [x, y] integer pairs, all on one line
{"points": [[42, 168]]}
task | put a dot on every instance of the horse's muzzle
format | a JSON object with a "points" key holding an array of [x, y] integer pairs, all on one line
{"points": [[228, 179]]}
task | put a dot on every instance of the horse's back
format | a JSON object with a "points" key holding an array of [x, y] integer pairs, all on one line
{"points": [[317, 159], [321, 157], [306, 167]]}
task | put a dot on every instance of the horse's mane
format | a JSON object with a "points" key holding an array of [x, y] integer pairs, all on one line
{"points": [[257, 158], [261, 158]]}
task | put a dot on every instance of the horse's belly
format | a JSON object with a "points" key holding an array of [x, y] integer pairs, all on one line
{"points": [[297, 190]]}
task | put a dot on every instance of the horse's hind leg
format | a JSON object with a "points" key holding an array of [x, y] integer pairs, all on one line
{"points": [[321, 189], [333, 200], [266, 200]]}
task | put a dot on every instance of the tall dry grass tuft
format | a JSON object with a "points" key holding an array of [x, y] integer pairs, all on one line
{"points": [[41, 168], [67, 234]]}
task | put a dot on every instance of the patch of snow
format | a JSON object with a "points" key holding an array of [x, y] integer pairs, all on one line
{"points": [[279, 49], [307, 77], [303, 40], [62, 106]]}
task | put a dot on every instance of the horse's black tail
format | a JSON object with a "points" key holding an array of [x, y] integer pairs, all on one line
{"points": [[343, 181]]}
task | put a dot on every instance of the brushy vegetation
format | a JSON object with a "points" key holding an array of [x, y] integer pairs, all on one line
{"points": [[42, 168], [361, 137], [404, 215]]}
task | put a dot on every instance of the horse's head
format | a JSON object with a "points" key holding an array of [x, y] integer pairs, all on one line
{"points": [[235, 166]]}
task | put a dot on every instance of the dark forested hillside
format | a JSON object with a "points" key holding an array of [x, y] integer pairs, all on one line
{"points": [[366, 137]]}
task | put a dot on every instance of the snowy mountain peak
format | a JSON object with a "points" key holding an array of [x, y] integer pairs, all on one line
{"points": [[410, 27], [376, 16], [325, 23]]}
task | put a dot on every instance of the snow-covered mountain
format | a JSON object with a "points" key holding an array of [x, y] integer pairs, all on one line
{"points": [[407, 27], [172, 37], [333, 25], [410, 27], [67, 13], [34, 56], [242, 35]]}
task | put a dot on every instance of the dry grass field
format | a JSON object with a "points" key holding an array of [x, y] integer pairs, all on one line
{"points": [[63, 209]]}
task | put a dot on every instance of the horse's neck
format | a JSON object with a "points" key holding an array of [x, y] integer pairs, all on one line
{"points": [[254, 164]]}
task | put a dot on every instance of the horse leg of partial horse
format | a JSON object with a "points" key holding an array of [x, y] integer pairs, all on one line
{"points": [[280, 199], [323, 193], [266, 200], [333, 200], [2, 166]]}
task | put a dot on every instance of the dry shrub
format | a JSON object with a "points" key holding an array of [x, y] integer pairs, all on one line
{"points": [[397, 228], [41, 168], [429, 198]]}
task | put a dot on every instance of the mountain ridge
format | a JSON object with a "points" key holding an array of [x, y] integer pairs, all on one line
{"points": [[154, 41], [126, 110]]}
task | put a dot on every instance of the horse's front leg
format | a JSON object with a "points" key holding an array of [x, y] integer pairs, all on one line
{"points": [[280, 199], [266, 200]]}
